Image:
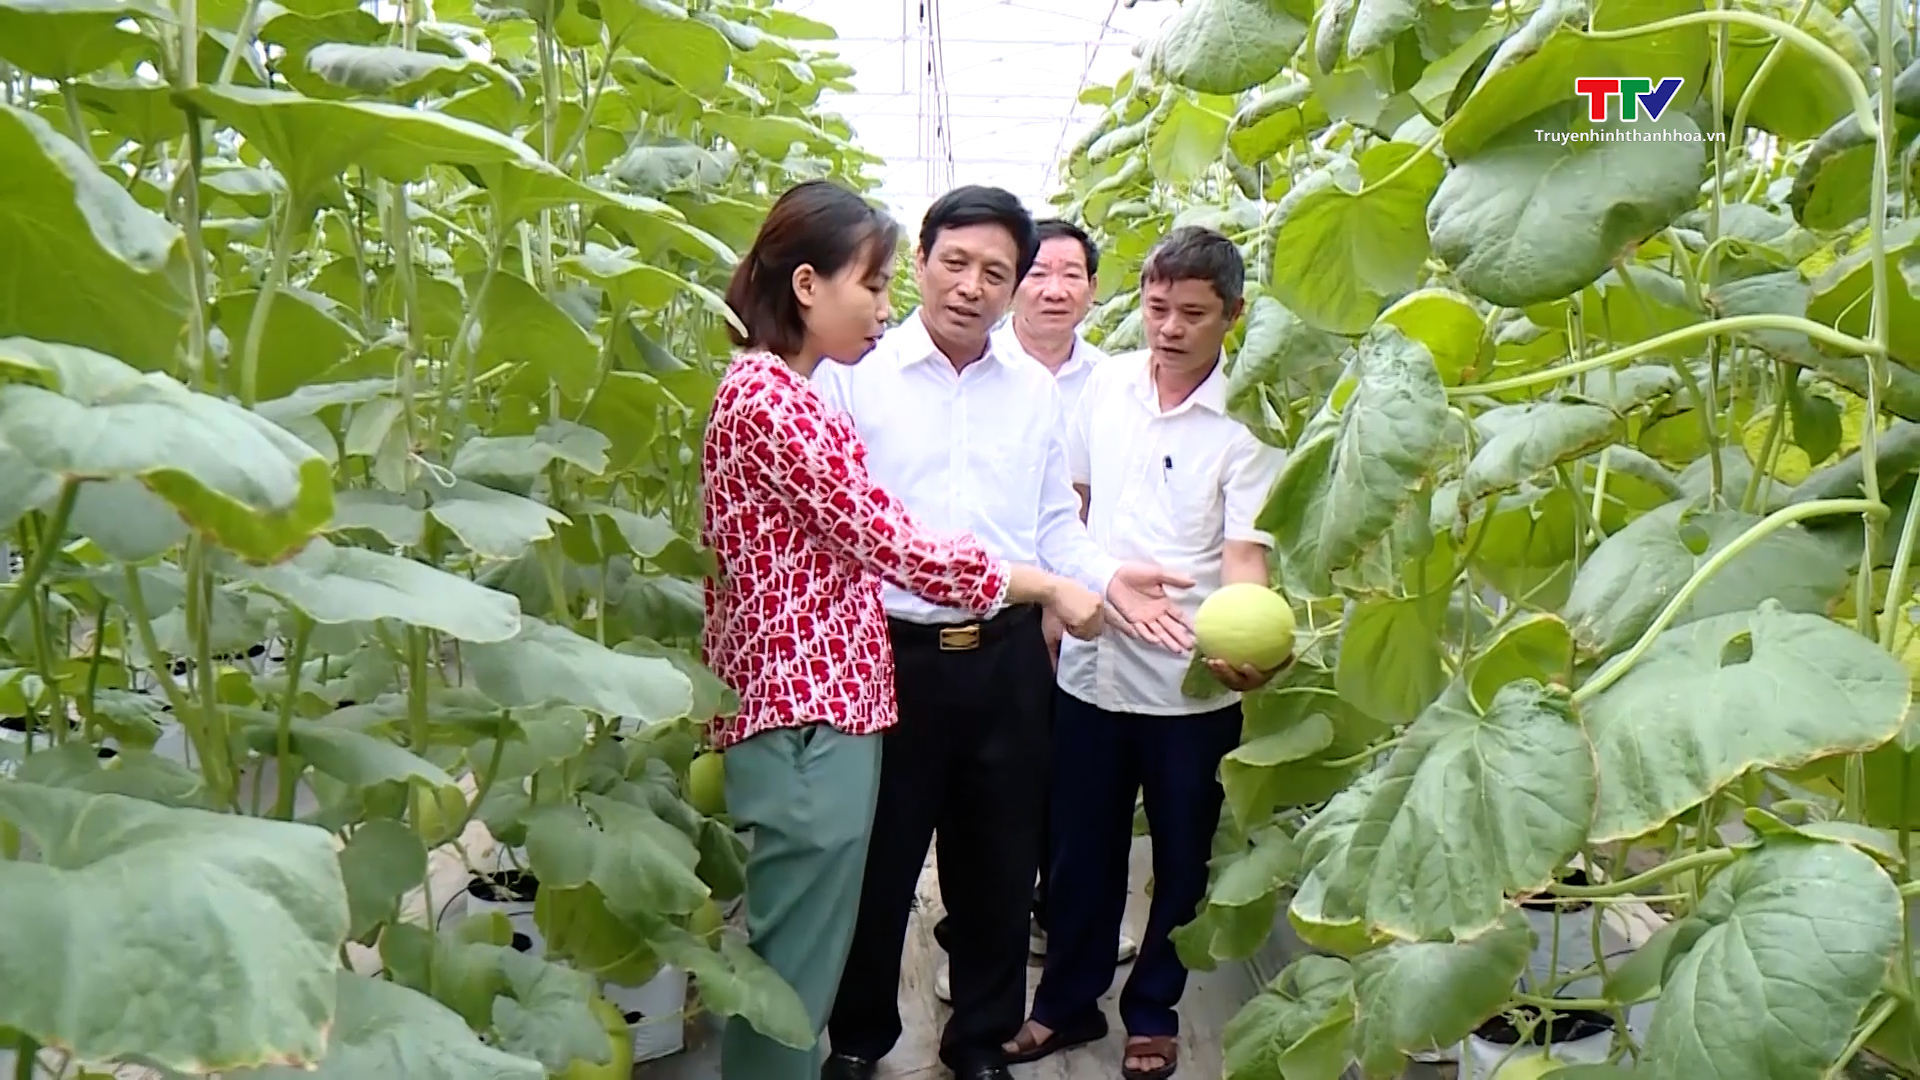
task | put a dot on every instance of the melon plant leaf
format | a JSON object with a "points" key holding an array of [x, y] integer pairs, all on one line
{"points": [[339, 70], [1414, 995], [385, 1029], [1325, 916], [1802, 97], [1520, 442], [335, 584], [1431, 864], [1187, 141], [1769, 688], [1352, 237], [649, 287], [519, 189], [248, 483], [1299, 1027], [694, 55], [1249, 772], [735, 981], [1789, 945], [1392, 664], [1525, 220], [521, 458], [546, 1013], [550, 665], [355, 758], [312, 141], [491, 523], [306, 333], [1275, 120], [1533, 646], [638, 861], [380, 862], [519, 324], [1226, 46], [1633, 574], [65, 39], [1449, 326], [86, 264], [244, 944], [1359, 461], [1535, 68]]}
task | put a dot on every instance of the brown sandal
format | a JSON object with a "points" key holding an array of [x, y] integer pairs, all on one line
{"points": [[1164, 1047], [1025, 1049]]}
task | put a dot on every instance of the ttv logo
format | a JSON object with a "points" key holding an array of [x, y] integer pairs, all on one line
{"points": [[1634, 94]]}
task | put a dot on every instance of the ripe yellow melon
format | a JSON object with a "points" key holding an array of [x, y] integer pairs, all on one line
{"points": [[1245, 623], [707, 784], [619, 1045], [1533, 1067]]}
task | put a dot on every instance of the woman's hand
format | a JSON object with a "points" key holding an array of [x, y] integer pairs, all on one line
{"points": [[1078, 608]]}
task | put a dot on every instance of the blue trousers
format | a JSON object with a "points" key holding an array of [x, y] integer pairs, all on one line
{"points": [[1101, 761]]}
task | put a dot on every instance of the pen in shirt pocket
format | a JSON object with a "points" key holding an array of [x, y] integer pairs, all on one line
{"points": [[1166, 468]]}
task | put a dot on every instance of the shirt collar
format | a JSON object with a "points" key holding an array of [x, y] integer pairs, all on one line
{"points": [[1079, 358], [916, 345], [1210, 395]]}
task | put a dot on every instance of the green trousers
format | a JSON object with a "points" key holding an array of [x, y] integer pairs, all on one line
{"points": [[808, 796]]}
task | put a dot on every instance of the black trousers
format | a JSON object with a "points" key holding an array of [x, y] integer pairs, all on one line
{"points": [[968, 760], [1104, 760]]}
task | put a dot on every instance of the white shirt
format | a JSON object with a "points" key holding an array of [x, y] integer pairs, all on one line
{"points": [[1170, 488], [1072, 376], [980, 451]]}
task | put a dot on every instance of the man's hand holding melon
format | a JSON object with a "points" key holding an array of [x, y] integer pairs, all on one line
{"points": [[1245, 633]]}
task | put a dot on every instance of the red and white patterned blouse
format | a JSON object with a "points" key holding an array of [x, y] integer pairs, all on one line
{"points": [[803, 537]]}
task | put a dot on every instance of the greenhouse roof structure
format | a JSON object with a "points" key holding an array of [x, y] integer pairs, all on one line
{"points": [[977, 91]]}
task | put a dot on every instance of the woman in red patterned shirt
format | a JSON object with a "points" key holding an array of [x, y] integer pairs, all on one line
{"points": [[794, 621]]}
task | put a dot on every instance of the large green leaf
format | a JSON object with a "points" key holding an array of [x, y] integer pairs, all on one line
{"points": [[334, 585], [1535, 68], [518, 324], [1359, 461], [1416, 995], [140, 916], [1633, 574], [385, 1029], [256, 489], [1226, 46], [1187, 141], [312, 141], [1521, 441], [1431, 864], [549, 665], [1527, 219], [85, 264], [65, 39], [1768, 688], [1351, 238], [1786, 949], [1300, 1027]]}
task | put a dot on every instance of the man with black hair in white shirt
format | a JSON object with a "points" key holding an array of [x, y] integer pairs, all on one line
{"points": [[1169, 477], [971, 438], [1052, 301]]}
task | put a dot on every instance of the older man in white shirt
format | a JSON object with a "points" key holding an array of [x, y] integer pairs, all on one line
{"points": [[1170, 477], [970, 438]]}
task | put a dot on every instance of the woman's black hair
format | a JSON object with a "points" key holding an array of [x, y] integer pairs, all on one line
{"points": [[817, 223]]}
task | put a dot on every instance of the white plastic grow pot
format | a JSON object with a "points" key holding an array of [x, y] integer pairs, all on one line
{"points": [[1577, 1038], [656, 1013], [510, 893]]}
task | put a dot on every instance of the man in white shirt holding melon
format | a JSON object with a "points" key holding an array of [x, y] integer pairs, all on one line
{"points": [[1169, 477]]}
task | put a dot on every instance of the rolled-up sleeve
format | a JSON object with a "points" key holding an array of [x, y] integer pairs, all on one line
{"points": [[1063, 541], [806, 467]]}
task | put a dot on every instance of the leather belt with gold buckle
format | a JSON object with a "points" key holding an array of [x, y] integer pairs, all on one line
{"points": [[960, 638]]}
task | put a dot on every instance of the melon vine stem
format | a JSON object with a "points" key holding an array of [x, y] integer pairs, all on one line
{"points": [[31, 574], [1699, 860], [1773, 522], [1732, 324], [1863, 109]]}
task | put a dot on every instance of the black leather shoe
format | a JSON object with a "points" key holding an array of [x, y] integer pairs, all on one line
{"points": [[848, 1067], [985, 1070]]}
